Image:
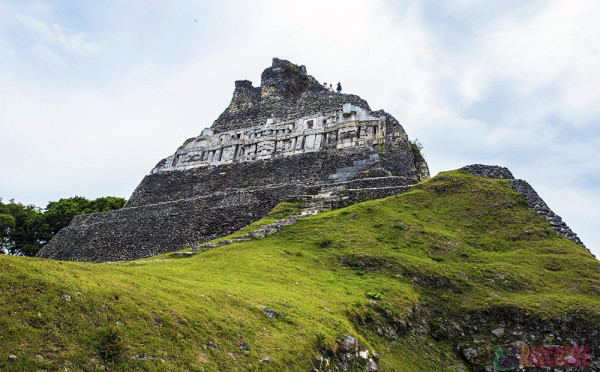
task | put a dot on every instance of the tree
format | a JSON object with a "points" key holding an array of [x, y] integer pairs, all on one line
{"points": [[7, 223], [106, 203], [59, 214], [25, 229], [417, 149], [27, 232]]}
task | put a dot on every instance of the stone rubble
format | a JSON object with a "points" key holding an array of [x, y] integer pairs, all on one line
{"points": [[534, 201]]}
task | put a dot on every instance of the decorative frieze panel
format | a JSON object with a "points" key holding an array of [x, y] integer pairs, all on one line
{"points": [[351, 126]]}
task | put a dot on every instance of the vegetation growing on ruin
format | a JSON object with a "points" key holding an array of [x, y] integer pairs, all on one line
{"points": [[417, 149], [455, 243]]}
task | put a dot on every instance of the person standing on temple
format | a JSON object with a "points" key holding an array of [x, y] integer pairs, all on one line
{"points": [[339, 88]]}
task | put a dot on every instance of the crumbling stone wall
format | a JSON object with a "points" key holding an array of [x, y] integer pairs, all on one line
{"points": [[489, 171], [137, 232], [286, 91], [534, 201]]}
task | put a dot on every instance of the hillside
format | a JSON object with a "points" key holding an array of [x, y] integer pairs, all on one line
{"points": [[421, 279]]}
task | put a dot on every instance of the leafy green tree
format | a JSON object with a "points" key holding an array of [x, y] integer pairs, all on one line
{"points": [[417, 148], [59, 214], [7, 223], [106, 203], [25, 229]]}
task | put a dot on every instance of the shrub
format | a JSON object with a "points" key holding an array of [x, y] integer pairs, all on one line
{"points": [[320, 339], [324, 243], [375, 295], [417, 149], [110, 343]]}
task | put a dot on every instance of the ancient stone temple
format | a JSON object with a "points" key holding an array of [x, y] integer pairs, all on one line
{"points": [[289, 137]]}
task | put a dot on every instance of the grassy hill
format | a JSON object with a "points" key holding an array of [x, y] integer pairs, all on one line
{"points": [[417, 278]]}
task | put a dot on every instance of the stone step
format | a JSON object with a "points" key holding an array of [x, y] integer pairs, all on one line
{"points": [[329, 198], [374, 172], [345, 173], [262, 231], [375, 182], [407, 187], [182, 254], [359, 195]]}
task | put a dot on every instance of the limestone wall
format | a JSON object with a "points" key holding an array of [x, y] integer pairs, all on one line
{"points": [[316, 168], [148, 230], [171, 210]]}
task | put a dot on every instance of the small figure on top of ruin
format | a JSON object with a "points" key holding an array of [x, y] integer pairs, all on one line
{"points": [[339, 87], [331, 87], [325, 85]]}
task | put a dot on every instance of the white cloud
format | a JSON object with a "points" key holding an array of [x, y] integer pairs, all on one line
{"points": [[47, 56], [54, 34], [556, 48]]}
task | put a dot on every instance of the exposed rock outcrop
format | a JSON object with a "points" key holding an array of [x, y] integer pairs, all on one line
{"points": [[286, 91]]}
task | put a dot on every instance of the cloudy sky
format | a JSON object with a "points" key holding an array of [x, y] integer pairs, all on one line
{"points": [[94, 94]]}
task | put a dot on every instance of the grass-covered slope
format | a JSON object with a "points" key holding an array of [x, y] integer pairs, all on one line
{"points": [[416, 278]]}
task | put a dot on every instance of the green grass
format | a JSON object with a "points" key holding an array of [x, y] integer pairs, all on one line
{"points": [[455, 243], [280, 212]]}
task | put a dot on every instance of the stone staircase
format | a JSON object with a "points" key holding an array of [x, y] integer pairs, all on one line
{"points": [[330, 196], [312, 205], [261, 232]]}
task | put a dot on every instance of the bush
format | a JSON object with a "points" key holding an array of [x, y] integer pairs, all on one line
{"points": [[320, 340], [110, 343], [324, 243], [375, 295], [417, 149]]}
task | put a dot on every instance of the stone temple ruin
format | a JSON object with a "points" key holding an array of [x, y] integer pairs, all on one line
{"points": [[288, 138]]}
